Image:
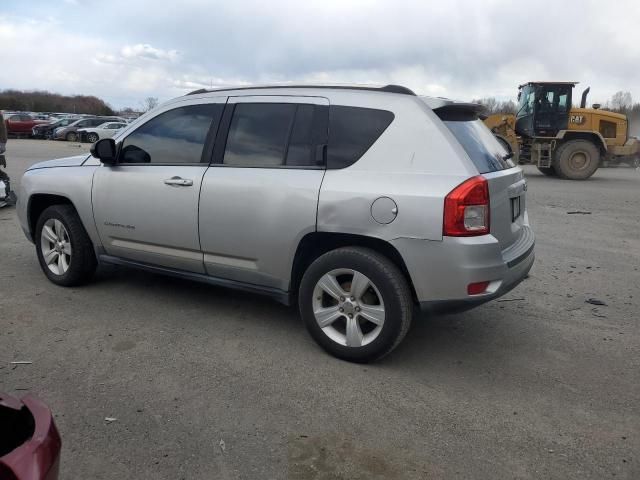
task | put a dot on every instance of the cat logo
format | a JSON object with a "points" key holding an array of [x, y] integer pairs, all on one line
{"points": [[577, 119]]}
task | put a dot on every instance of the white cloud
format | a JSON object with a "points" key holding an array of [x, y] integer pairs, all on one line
{"points": [[48, 56], [461, 49], [141, 50]]}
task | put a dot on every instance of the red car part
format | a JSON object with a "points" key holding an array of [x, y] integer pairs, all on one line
{"points": [[30, 443]]}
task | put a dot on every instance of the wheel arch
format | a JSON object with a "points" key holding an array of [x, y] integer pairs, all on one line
{"points": [[37, 204], [315, 244], [594, 137]]}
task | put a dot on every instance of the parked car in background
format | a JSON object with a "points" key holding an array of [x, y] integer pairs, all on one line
{"points": [[356, 203], [45, 130], [106, 130], [70, 132], [60, 116], [29, 443], [19, 124], [41, 116]]}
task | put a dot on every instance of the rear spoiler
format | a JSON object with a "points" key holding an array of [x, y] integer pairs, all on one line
{"points": [[460, 112]]}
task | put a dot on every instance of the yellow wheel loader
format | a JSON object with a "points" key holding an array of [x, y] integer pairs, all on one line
{"points": [[562, 140]]}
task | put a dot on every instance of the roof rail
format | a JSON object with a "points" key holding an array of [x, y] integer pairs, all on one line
{"points": [[387, 88], [398, 89], [196, 92]]}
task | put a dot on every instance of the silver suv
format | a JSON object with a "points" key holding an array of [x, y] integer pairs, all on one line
{"points": [[358, 203]]}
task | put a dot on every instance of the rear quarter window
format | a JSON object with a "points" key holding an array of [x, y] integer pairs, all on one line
{"points": [[352, 131], [484, 150]]}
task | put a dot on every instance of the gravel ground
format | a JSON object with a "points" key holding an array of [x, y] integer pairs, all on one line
{"points": [[209, 383]]}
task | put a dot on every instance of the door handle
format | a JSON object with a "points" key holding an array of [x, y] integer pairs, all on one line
{"points": [[178, 182]]}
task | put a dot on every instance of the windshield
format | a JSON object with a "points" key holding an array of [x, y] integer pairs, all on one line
{"points": [[486, 153], [527, 98]]}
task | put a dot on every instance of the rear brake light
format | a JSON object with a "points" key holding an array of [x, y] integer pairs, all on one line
{"points": [[477, 288], [466, 209]]}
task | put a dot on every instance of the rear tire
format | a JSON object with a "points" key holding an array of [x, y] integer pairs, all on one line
{"points": [[364, 313], [548, 171], [73, 262], [576, 160]]}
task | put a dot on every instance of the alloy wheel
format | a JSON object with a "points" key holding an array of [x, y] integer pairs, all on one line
{"points": [[55, 245], [348, 307]]}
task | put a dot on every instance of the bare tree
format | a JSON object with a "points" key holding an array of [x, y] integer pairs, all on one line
{"points": [[621, 100], [149, 103], [492, 105]]}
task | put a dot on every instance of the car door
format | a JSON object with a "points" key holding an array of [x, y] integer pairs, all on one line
{"points": [[552, 109], [146, 205], [110, 129], [83, 124], [18, 124], [260, 196]]}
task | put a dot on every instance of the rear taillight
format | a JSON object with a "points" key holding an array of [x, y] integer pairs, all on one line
{"points": [[477, 288], [466, 209]]}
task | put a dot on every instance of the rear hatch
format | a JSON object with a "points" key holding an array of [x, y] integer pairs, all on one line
{"points": [[507, 185]]}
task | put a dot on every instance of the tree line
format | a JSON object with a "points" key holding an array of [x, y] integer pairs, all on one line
{"points": [[620, 102], [43, 101]]}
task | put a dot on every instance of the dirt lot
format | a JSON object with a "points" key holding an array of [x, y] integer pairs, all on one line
{"points": [[209, 383]]}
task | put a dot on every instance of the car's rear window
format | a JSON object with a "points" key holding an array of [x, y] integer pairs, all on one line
{"points": [[486, 153]]}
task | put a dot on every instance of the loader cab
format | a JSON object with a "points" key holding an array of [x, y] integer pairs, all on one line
{"points": [[543, 108]]}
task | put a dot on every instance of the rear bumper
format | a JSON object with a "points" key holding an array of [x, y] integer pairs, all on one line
{"points": [[441, 270], [515, 275]]}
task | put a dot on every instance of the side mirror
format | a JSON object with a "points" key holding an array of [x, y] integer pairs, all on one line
{"points": [[105, 150]]}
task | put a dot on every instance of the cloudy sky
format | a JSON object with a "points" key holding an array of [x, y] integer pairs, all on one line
{"points": [[126, 50]]}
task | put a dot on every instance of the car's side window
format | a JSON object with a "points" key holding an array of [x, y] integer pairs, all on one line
{"points": [[175, 136], [352, 131], [258, 134], [271, 135], [300, 151]]}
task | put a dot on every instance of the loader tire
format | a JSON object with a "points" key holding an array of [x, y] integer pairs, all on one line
{"points": [[576, 160], [548, 171]]}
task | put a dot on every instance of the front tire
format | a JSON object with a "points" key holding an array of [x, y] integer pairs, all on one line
{"points": [[72, 137], [64, 249], [356, 304], [576, 160], [92, 137]]}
